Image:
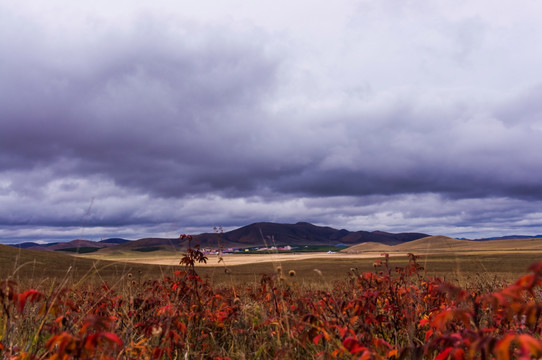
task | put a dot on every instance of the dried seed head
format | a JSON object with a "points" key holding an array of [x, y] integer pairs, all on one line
{"points": [[291, 273], [279, 270], [318, 272], [156, 330], [227, 271], [129, 275]]}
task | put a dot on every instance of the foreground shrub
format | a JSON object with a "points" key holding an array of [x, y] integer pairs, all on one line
{"points": [[391, 313]]}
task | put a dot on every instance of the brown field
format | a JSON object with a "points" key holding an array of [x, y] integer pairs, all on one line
{"points": [[461, 261], [456, 260]]}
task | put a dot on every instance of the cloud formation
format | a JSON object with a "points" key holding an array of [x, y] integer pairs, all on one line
{"points": [[160, 118]]}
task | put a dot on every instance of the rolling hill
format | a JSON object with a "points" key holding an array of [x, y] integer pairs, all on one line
{"points": [[72, 245], [32, 267], [442, 244]]}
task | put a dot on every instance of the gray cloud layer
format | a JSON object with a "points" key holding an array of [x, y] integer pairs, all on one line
{"points": [[166, 122]]}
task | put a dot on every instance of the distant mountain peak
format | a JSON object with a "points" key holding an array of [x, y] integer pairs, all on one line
{"points": [[256, 234]]}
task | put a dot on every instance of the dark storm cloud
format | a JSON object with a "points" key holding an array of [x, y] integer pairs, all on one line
{"points": [[456, 152], [155, 121], [150, 109], [177, 110]]}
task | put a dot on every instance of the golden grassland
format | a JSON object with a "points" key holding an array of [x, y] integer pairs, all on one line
{"points": [[31, 268], [455, 260], [444, 244]]}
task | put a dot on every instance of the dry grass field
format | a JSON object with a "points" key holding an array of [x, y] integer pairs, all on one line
{"points": [[459, 261], [39, 269], [444, 244]]}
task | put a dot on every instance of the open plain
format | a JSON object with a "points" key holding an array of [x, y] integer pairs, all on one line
{"points": [[459, 261]]}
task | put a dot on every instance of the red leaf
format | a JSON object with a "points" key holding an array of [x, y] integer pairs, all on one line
{"points": [[528, 281], [458, 354], [113, 338], [157, 353], [91, 341], [351, 344], [317, 338], [444, 355], [536, 267], [32, 295]]}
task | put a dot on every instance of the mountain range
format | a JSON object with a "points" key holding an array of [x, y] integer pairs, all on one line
{"points": [[253, 235], [262, 234]]}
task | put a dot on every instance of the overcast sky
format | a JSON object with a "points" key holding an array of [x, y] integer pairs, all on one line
{"points": [[155, 118]]}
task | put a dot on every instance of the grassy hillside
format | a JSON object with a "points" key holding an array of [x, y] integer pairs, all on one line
{"points": [[31, 268], [444, 244]]}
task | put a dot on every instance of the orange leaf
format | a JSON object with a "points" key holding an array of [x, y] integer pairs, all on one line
{"points": [[423, 322], [529, 345], [502, 349], [442, 319]]}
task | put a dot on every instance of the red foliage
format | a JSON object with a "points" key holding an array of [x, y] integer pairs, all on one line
{"points": [[394, 313]]}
